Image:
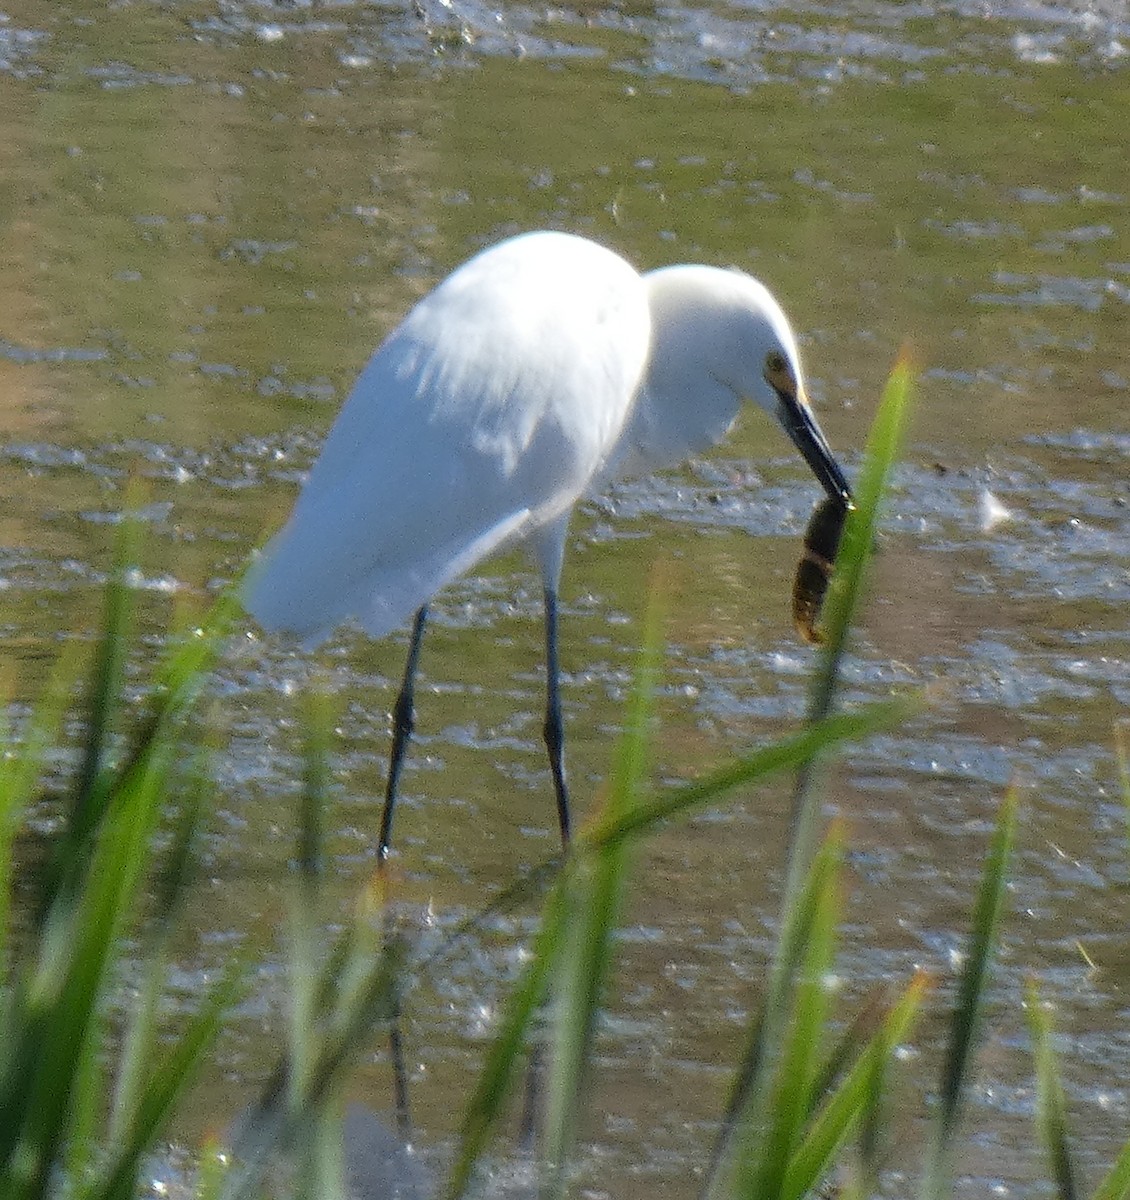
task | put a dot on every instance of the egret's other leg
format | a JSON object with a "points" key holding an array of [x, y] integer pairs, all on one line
{"points": [[403, 722], [554, 731]]}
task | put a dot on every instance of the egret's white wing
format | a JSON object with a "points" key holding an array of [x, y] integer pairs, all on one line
{"points": [[480, 419]]}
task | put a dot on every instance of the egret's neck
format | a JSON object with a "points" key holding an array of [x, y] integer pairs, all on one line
{"points": [[663, 430], [691, 390]]}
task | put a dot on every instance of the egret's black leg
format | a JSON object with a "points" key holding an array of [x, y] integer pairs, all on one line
{"points": [[403, 721], [554, 731]]}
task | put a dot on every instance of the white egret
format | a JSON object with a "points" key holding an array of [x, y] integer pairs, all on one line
{"points": [[538, 371]]}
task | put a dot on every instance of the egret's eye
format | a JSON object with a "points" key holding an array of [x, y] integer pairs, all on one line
{"points": [[775, 363]]}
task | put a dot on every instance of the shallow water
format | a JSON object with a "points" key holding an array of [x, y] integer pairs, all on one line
{"points": [[210, 213]]}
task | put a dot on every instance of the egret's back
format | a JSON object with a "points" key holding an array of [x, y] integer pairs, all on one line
{"points": [[479, 421]]}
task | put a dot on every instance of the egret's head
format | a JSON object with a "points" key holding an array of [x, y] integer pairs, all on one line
{"points": [[756, 356], [719, 338]]}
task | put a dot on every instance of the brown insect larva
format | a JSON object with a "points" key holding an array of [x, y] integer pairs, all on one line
{"points": [[814, 571]]}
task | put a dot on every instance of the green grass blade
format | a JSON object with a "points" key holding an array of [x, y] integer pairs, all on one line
{"points": [[970, 998], [487, 1102], [179, 679], [62, 875], [86, 1101], [179, 864], [169, 888], [849, 1103], [593, 889], [155, 1105], [785, 754], [1051, 1106], [61, 1022], [306, 979], [106, 679], [871, 1117], [1116, 1182], [138, 1045], [846, 589], [315, 792], [320, 1156], [775, 1129], [860, 1030]]}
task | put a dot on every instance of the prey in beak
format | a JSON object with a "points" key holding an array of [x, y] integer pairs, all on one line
{"points": [[822, 537]]}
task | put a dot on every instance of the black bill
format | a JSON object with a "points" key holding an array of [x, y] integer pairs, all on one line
{"points": [[800, 425]]}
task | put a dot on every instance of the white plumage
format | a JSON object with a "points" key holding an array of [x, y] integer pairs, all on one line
{"points": [[477, 423]]}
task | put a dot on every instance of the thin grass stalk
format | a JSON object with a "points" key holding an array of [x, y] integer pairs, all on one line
{"points": [[320, 1168], [177, 683], [1051, 1107], [769, 1148], [860, 1030], [364, 940], [315, 798], [487, 1102], [86, 809], [20, 775], [317, 1153], [274, 1124], [872, 1121], [860, 532], [970, 999], [87, 1095], [594, 884], [137, 1046], [880, 455], [170, 885], [305, 936]]}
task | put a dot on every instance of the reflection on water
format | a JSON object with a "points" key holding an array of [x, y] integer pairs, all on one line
{"points": [[212, 212]]}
